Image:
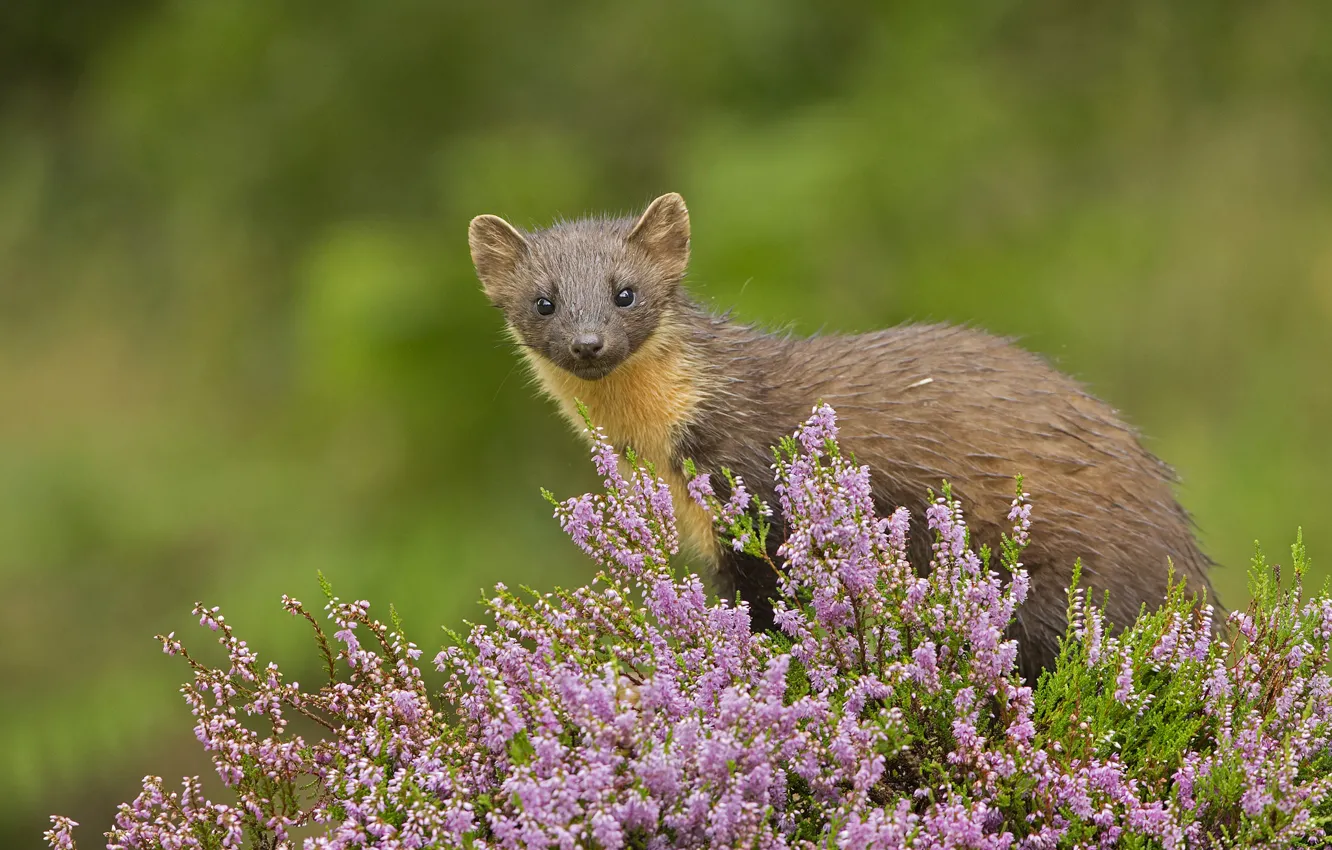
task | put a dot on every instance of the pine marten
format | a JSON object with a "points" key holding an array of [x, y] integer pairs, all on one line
{"points": [[599, 311]]}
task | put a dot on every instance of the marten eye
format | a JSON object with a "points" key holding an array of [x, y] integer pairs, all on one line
{"points": [[545, 306], [625, 298]]}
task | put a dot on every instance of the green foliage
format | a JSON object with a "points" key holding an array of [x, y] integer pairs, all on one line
{"points": [[1076, 701], [1170, 708]]}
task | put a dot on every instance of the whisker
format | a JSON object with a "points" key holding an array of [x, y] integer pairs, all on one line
{"points": [[504, 381]]}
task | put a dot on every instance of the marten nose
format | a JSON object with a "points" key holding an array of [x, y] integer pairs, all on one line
{"points": [[587, 346]]}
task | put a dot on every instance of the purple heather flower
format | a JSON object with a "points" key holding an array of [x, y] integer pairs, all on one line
{"points": [[59, 836], [637, 711]]}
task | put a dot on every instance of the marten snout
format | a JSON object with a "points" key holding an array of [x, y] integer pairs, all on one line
{"points": [[587, 346]]}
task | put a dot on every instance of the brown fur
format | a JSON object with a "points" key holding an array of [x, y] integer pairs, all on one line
{"points": [[919, 404]]}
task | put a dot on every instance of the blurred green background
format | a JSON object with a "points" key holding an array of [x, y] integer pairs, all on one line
{"points": [[241, 340]]}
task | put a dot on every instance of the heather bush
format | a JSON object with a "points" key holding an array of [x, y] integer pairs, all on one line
{"points": [[884, 710]]}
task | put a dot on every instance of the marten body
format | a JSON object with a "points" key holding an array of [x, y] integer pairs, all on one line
{"points": [[919, 404]]}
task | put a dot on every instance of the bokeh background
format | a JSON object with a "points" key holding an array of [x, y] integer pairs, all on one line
{"points": [[241, 340]]}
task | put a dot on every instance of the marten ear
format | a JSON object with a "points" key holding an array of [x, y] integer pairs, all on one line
{"points": [[663, 232], [496, 249]]}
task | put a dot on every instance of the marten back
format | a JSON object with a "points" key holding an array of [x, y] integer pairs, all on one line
{"points": [[919, 404], [924, 403]]}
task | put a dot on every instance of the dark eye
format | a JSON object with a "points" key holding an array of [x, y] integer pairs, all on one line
{"points": [[625, 298], [545, 306]]}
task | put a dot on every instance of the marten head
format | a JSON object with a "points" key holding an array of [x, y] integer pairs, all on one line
{"points": [[585, 294]]}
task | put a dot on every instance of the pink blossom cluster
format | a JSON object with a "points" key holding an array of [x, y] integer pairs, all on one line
{"points": [[883, 711]]}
